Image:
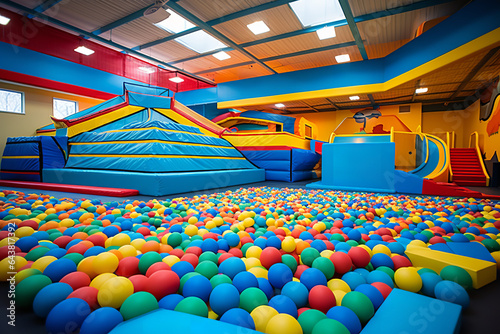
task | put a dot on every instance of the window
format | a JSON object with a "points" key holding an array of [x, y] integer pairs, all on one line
{"points": [[308, 131], [404, 109], [64, 108], [11, 101]]}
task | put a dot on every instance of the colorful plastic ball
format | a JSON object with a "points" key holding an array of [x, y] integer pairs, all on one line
{"points": [[309, 318], [162, 283], [429, 281], [371, 292], [224, 297], [342, 262], [353, 279], [360, 304], [279, 274], [452, 292], [297, 291], [312, 277], [207, 268], [238, 317], [347, 317], [137, 304], [87, 293], [381, 259], [67, 316], [251, 298], [407, 278], [101, 321], [308, 255], [114, 291], [284, 304], [220, 279], [147, 260], [457, 275], [192, 305], [266, 287], [28, 288], [270, 256], [384, 289], [400, 262], [261, 316], [59, 268], [329, 326], [76, 279], [325, 265], [245, 280], [283, 323], [197, 286], [26, 273], [50, 296], [359, 256], [169, 302], [232, 266], [321, 298], [380, 276]]}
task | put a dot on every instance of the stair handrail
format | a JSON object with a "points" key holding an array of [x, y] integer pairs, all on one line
{"points": [[450, 141], [475, 134], [332, 137], [392, 134]]}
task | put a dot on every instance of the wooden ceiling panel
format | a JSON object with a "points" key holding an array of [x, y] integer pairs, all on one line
{"points": [[236, 73], [209, 62], [170, 51], [209, 10], [138, 32]]}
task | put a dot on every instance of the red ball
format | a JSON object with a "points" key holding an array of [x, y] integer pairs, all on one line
{"points": [[223, 257], [236, 252], [177, 252], [144, 231], [302, 309], [76, 279], [78, 248], [359, 256], [436, 239], [156, 267], [162, 283], [87, 293], [270, 256], [128, 266], [97, 240], [384, 289], [321, 298], [194, 250], [342, 262], [300, 269], [191, 258], [63, 241], [400, 261], [140, 282]]}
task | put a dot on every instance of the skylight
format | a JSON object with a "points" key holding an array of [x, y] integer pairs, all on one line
{"points": [[314, 12], [221, 55], [258, 27], [200, 42], [174, 23]]}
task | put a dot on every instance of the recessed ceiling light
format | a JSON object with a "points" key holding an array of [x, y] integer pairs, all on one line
{"points": [[279, 105], [314, 12], [4, 20], [84, 50], [326, 32], [221, 55], [354, 98], [147, 70], [342, 58], [176, 79], [258, 27], [421, 90]]}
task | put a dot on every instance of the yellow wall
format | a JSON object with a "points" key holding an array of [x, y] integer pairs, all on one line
{"points": [[437, 123], [37, 108]]}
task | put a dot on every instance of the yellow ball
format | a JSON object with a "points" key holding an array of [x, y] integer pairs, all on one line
{"points": [[415, 243], [85, 266], [24, 231], [253, 251], [381, 249], [191, 229], [288, 244], [283, 323], [407, 278], [252, 262], [338, 284], [171, 260], [137, 243], [210, 225], [259, 272], [339, 294], [120, 239], [43, 262], [192, 220], [26, 273], [496, 256], [326, 253], [101, 279], [218, 221], [114, 291], [270, 222], [128, 250], [8, 265], [105, 263], [67, 222], [261, 316]]}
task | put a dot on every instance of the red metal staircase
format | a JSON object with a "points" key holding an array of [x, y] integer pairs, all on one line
{"points": [[466, 167]]}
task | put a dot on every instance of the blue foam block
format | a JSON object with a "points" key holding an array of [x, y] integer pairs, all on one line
{"points": [[411, 313], [471, 249], [441, 247]]}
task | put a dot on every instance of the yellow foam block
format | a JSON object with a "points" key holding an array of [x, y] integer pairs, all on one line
{"points": [[482, 272]]}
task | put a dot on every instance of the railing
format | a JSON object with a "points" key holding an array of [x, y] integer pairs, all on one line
{"points": [[450, 142], [332, 137], [475, 144]]}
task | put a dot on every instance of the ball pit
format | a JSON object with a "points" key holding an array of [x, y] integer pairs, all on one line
{"points": [[271, 259]]}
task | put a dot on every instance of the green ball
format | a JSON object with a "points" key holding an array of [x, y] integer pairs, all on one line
{"points": [[219, 279], [174, 239], [491, 245], [352, 243], [290, 261], [147, 260], [325, 265], [338, 237], [309, 318], [28, 288], [193, 305], [387, 270], [185, 244], [250, 298], [137, 304], [75, 257], [245, 247], [185, 278], [360, 304], [426, 270], [207, 269], [308, 255], [457, 275], [53, 236], [330, 326], [36, 253]]}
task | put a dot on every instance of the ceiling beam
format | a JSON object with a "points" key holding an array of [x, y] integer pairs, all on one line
{"points": [[124, 20], [196, 21], [354, 28], [166, 39], [417, 85], [372, 100], [225, 67], [332, 103], [201, 55], [47, 4]]}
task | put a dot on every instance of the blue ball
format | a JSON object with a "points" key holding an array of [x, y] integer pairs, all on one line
{"points": [[266, 287], [238, 317], [380, 276], [245, 280], [67, 316], [381, 259], [284, 304], [319, 245], [362, 271], [232, 239], [94, 251], [59, 268], [346, 317], [274, 241], [279, 274], [181, 268], [353, 279], [312, 277], [27, 243], [297, 292], [396, 248], [50, 296], [452, 292], [197, 286], [101, 321], [169, 302], [223, 298], [372, 293], [429, 281], [56, 252], [354, 235], [231, 266], [210, 245]]}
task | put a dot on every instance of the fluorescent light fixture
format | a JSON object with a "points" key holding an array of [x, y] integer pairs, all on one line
{"points": [[4, 20], [258, 27], [326, 32], [342, 58], [176, 79], [221, 55], [147, 70], [84, 50], [314, 12], [174, 23], [421, 90], [354, 98], [200, 42], [279, 105]]}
